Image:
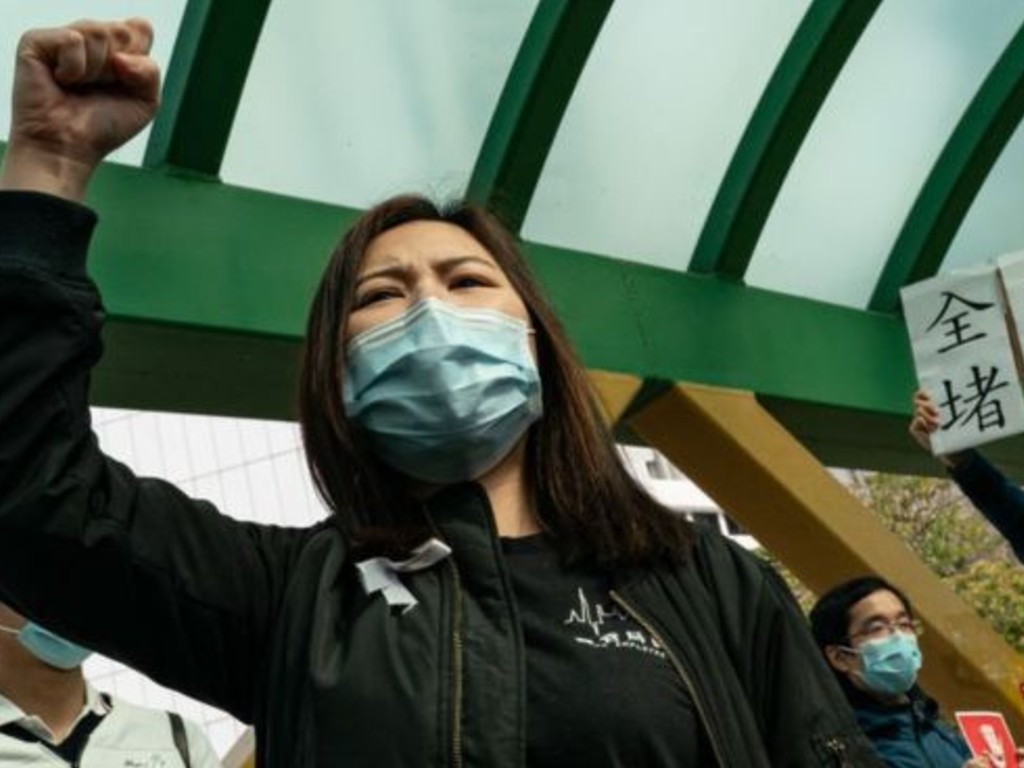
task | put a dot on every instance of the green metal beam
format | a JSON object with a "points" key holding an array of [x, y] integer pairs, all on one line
{"points": [[212, 53], [174, 250], [663, 324], [207, 288], [798, 87], [529, 111], [976, 143], [846, 437]]}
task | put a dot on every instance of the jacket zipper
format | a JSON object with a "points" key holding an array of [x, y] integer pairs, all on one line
{"points": [[915, 720], [836, 747], [456, 667], [680, 670]]}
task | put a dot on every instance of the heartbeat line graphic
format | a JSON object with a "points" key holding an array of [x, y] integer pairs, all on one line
{"points": [[593, 617]]}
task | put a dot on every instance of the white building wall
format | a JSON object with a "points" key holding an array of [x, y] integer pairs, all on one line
{"points": [[252, 470]]}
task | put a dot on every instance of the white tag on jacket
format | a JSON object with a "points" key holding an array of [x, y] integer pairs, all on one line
{"points": [[379, 574]]}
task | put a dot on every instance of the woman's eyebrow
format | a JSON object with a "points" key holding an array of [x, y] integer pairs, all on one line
{"points": [[453, 262], [398, 271], [401, 271]]}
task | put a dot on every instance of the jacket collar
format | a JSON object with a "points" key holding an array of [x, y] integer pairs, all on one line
{"points": [[462, 516], [878, 719]]}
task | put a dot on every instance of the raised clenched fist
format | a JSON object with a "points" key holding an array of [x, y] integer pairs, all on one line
{"points": [[80, 92]]}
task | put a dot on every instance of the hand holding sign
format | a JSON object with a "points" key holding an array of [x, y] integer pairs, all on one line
{"points": [[989, 738], [926, 421]]}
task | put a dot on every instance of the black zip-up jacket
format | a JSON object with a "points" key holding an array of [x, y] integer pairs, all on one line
{"points": [[272, 624]]}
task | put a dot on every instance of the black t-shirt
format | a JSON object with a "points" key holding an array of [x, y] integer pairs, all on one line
{"points": [[600, 690]]}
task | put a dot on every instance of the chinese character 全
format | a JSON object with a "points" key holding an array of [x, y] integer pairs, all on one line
{"points": [[957, 327]]}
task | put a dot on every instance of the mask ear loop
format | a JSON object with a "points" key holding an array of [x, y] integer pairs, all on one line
{"points": [[858, 673]]}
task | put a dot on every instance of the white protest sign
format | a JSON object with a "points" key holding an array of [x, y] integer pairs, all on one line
{"points": [[988, 736], [1010, 269], [964, 358]]}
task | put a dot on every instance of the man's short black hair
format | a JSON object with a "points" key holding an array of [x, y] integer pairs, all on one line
{"points": [[830, 616]]}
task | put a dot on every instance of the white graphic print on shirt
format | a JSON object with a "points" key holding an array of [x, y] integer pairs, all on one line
{"points": [[605, 626]]}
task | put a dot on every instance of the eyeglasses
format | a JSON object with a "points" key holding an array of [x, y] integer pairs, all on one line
{"points": [[883, 628]]}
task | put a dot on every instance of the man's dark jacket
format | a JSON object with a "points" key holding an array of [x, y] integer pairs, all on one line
{"points": [[911, 734], [272, 624], [995, 495]]}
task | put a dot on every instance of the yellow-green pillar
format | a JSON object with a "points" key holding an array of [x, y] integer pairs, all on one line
{"points": [[727, 443]]}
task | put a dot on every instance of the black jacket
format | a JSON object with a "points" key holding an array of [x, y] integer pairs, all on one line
{"points": [[272, 625], [997, 497]]}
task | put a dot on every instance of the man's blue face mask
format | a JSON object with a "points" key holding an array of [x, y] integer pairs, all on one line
{"points": [[890, 664], [48, 647], [443, 392]]}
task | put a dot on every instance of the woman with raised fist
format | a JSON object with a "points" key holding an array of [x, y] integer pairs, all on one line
{"points": [[492, 588]]}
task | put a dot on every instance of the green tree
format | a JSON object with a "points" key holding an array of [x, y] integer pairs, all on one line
{"points": [[933, 518]]}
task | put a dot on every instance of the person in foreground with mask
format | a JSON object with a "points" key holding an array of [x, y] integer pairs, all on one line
{"points": [[492, 588], [868, 634], [51, 716]]}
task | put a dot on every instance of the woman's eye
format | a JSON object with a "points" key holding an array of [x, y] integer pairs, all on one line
{"points": [[374, 296], [468, 281]]}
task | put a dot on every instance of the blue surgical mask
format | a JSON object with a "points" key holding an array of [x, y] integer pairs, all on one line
{"points": [[48, 647], [890, 664], [443, 392]]}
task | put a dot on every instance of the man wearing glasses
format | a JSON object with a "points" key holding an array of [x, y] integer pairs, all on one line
{"points": [[867, 631]]}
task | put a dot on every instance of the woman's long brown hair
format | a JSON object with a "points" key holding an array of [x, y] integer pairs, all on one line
{"points": [[587, 501]]}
